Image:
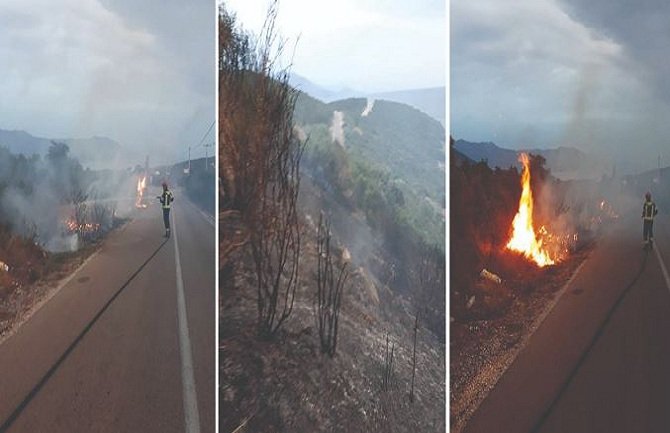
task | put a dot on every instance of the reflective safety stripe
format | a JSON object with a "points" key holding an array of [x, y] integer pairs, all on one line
{"points": [[648, 210], [166, 200]]}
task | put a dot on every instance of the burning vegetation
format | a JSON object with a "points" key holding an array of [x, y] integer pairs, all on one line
{"points": [[524, 239], [83, 229], [52, 211], [542, 246], [516, 237], [53, 200], [140, 201]]}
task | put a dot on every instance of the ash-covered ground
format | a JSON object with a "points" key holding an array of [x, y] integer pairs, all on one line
{"points": [[288, 385]]}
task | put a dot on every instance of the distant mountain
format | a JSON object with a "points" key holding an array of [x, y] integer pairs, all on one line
{"points": [[320, 92], [95, 152], [431, 100], [564, 162], [459, 158], [20, 142]]}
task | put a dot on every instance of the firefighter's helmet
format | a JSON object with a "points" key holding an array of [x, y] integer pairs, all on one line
{"points": [[647, 196]]}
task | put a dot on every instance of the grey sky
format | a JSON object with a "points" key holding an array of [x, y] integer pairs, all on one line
{"points": [[366, 45], [141, 73], [590, 74]]}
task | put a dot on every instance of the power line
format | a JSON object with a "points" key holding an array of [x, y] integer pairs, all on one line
{"points": [[204, 136], [201, 140]]}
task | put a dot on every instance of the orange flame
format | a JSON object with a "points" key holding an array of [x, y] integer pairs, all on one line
{"points": [[73, 226], [141, 186], [524, 239]]}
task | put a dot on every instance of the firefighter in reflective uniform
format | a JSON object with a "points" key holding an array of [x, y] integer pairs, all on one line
{"points": [[649, 211], [166, 198]]}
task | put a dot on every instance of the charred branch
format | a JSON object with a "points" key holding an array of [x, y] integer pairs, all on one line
{"points": [[388, 365], [329, 286], [416, 327]]}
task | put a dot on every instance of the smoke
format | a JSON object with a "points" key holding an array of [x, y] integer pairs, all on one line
{"points": [[368, 107], [56, 202], [337, 128], [579, 131], [575, 212]]}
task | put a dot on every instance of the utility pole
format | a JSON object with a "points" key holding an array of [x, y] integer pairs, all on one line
{"points": [[189, 160], [207, 153]]}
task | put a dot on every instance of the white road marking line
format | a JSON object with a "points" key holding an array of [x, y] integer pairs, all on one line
{"points": [[205, 215], [191, 415], [663, 268]]}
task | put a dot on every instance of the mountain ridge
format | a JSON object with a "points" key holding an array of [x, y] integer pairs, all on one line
{"points": [[94, 152], [429, 100], [564, 162]]}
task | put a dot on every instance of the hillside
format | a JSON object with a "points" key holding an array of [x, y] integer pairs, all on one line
{"points": [[353, 140], [327, 281], [21, 142], [94, 152], [307, 392], [564, 162]]}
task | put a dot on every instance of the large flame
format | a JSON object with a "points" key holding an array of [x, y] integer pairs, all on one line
{"points": [[141, 186], [524, 239]]}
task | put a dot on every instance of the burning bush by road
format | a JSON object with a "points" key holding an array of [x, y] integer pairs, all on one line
{"points": [[515, 240], [54, 201], [497, 215], [52, 213]]}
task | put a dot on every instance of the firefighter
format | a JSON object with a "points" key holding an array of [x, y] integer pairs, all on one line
{"points": [[649, 211], [166, 198]]}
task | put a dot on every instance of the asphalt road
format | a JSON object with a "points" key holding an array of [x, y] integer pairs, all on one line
{"points": [[600, 361], [111, 351]]}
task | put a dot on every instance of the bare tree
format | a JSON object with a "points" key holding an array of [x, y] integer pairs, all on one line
{"points": [[388, 365], [275, 243], [416, 327], [260, 162], [102, 216], [328, 289]]}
